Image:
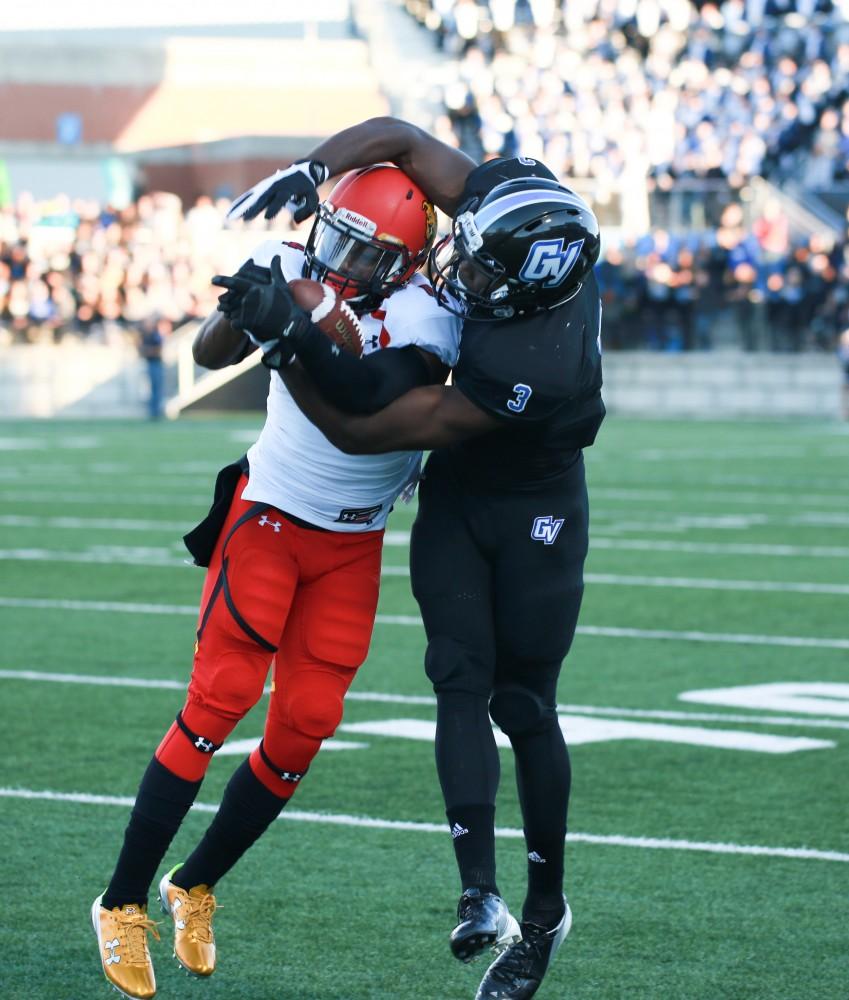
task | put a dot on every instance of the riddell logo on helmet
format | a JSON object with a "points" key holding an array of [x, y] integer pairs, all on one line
{"points": [[355, 221]]}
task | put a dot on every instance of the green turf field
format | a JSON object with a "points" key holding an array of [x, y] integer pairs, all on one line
{"points": [[710, 843]]}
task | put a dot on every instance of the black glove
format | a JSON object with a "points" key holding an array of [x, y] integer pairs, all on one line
{"points": [[294, 187], [267, 312], [229, 301]]}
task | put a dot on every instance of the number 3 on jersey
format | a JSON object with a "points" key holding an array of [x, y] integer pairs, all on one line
{"points": [[523, 394]]}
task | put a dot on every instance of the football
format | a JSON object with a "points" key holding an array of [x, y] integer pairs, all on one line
{"points": [[332, 315]]}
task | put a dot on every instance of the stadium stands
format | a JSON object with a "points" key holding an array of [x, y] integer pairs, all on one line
{"points": [[89, 271], [665, 88], [712, 138], [84, 270]]}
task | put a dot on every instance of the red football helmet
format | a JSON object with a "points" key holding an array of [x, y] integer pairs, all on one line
{"points": [[370, 235]]}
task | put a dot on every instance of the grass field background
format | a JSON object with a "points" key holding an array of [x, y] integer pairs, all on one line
{"points": [[719, 560]]}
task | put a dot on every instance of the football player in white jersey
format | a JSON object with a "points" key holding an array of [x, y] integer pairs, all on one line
{"points": [[498, 546], [293, 548]]}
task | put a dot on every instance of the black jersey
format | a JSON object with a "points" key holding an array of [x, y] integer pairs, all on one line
{"points": [[541, 375]]}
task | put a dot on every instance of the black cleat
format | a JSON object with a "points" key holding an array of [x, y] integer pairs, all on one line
{"points": [[483, 923], [518, 972]]}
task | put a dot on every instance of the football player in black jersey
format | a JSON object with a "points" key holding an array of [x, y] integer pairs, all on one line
{"points": [[499, 543]]}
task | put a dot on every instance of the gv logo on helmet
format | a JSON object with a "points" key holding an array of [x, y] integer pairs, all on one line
{"points": [[549, 263]]}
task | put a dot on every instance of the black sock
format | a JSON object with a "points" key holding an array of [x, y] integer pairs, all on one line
{"points": [[247, 810], [473, 831], [162, 802], [544, 901], [544, 777]]}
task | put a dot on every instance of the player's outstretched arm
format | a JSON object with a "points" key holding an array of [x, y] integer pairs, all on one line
{"points": [[432, 416], [218, 344], [440, 170]]}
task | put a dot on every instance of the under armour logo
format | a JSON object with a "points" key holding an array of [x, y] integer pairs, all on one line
{"points": [[113, 959], [205, 746], [549, 263], [178, 923], [277, 525], [533, 856], [458, 831], [546, 529]]}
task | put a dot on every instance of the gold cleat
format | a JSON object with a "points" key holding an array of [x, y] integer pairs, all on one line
{"points": [[191, 911], [124, 955]]}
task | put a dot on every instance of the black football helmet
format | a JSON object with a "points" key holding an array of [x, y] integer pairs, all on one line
{"points": [[527, 245]]}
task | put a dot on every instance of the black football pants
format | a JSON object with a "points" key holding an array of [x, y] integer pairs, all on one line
{"points": [[498, 576]]}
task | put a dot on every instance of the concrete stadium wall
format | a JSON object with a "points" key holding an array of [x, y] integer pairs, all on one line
{"points": [[92, 380], [722, 384], [72, 380]]}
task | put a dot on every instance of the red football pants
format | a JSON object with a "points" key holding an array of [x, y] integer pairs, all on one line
{"points": [[276, 594]]}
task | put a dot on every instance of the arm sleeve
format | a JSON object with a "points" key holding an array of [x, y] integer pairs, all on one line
{"points": [[361, 385]]}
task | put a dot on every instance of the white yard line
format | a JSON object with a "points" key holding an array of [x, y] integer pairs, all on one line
{"points": [[57, 485], [92, 523], [394, 538], [707, 583], [121, 607], [599, 540], [61, 498], [674, 520], [731, 519], [93, 679], [337, 819], [606, 537], [164, 558], [742, 452], [385, 698], [761, 498], [101, 556], [724, 637]]}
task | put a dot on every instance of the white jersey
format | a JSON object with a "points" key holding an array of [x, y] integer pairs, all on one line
{"points": [[295, 468]]}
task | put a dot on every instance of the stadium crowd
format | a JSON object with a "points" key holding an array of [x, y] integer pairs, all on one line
{"points": [[80, 268], [605, 90], [609, 89], [750, 285], [89, 271]]}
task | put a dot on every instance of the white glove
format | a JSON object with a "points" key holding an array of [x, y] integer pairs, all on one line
{"points": [[295, 188]]}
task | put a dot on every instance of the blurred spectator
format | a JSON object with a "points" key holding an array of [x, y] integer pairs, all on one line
{"points": [[843, 358], [152, 333], [90, 271], [597, 88], [672, 293]]}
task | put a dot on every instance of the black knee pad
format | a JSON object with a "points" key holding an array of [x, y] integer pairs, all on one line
{"points": [[517, 710], [450, 668]]}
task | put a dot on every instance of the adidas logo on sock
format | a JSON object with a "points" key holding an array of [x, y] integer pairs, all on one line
{"points": [[533, 856], [458, 831]]}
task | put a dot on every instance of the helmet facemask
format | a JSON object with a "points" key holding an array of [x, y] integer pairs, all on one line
{"points": [[467, 281], [344, 252]]}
